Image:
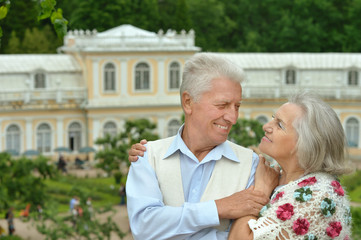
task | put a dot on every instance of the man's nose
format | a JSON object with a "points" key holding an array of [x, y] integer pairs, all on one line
{"points": [[231, 115]]}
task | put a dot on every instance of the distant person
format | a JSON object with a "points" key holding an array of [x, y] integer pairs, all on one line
{"points": [[122, 194], [39, 210], [73, 202], [10, 220], [62, 164]]}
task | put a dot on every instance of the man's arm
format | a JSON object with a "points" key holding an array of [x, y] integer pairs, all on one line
{"points": [[148, 216]]}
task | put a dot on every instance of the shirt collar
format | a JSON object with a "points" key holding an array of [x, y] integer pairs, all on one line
{"points": [[223, 149]]}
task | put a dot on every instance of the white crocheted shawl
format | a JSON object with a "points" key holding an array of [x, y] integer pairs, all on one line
{"points": [[313, 207]]}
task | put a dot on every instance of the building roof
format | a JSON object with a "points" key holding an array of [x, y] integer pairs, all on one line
{"points": [[20, 63], [128, 38], [296, 60]]}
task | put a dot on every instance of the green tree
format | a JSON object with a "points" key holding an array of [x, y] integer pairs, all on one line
{"points": [[209, 21], [115, 148], [14, 45], [17, 175], [40, 41], [15, 15], [246, 132]]}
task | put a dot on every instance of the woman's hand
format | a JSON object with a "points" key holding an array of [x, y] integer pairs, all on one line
{"points": [[136, 150], [267, 178]]}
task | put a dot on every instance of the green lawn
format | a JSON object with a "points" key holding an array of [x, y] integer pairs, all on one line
{"points": [[103, 191]]}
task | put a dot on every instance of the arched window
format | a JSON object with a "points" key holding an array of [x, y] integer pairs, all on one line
{"points": [[109, 77], [262, 119], [352, 132], [352, 78], [142, 77], [13, 138], [110, 128], [173, 127], [43, 135], [290, 76], [39, 80], [174, 76], [74, 134]]}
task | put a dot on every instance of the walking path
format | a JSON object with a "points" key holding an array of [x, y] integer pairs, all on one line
{"points": [[27, 230]]}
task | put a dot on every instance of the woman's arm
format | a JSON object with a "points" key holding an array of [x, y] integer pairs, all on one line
{"points": [[266, 180]]}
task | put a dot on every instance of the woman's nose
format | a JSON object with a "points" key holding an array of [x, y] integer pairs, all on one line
{"points": [[267, 127]]}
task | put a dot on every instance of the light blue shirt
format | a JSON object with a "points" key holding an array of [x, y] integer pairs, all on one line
{"points": [[148, 216]]}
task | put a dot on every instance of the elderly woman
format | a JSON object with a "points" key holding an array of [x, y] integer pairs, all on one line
{"points": [[306, 138]]}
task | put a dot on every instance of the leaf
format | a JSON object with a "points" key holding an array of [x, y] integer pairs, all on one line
{"points": [[47, 7], [3, 12], [60, 26]]}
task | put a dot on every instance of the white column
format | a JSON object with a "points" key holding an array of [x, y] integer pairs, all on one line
{"points": [[60, 132], [162, 129], [29, 135], [247, 113], [123, 78], [96, 78], [96, 130], [161, 83]]}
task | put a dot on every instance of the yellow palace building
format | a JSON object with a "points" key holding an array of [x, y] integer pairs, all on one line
{"points": [[98, 80]]}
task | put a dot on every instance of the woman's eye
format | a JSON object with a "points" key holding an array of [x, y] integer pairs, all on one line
{"points": [[281, 125]]}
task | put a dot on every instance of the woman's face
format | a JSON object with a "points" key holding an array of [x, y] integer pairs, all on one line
{"points": [[280, 137]]}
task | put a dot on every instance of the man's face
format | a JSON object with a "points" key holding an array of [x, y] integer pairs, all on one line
{"points": [[217, 110]]}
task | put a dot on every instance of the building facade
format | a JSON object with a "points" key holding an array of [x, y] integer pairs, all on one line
{"points": [[99, 80]]}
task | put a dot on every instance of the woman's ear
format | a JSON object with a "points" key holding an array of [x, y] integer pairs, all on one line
{"points": [[187, 103]]}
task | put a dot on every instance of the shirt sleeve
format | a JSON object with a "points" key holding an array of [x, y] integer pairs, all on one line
{"points": [[149, 218], [255, 161]]}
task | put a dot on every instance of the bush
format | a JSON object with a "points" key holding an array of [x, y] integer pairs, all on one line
{"points": [[356, 222], [351, 182]]}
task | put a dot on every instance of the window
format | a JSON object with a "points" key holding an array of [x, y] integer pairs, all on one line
{"points": [[173, 127], [352, 78], [262, 119], [110, 128], [109, 77], [142, 74], [174, 76], [74, 136], [352, 132], [39, 80], [290, 77], [43, 134], [13, 138]]}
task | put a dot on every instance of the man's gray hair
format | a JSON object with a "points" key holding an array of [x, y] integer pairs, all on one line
{"points": [[202, 68], [321, 144]]}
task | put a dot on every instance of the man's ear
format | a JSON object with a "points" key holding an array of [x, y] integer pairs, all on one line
{"points": [[187, 103]]}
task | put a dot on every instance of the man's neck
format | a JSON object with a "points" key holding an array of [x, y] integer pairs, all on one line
{"points": [[195, 145]]}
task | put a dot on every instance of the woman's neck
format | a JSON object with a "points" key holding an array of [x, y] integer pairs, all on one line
{"points": [[288, 176]]}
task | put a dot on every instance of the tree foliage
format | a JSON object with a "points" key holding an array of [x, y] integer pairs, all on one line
{"points": [[246, 132], [115, 148], [220, 25], [17, 175]]}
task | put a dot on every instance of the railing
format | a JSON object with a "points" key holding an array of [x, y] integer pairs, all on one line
{"points": [[58, 95], [334, 92]]}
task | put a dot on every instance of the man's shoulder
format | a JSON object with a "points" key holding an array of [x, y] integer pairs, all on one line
{"points": [[159, 142], [238, 147]]}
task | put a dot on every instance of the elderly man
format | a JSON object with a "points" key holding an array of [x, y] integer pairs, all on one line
{"points": [[189, 186]]}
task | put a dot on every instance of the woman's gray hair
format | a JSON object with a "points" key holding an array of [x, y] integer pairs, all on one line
{"points": [[202, 68], [321, 144]]}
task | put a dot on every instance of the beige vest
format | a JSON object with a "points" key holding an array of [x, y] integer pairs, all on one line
{"points": [[227, 178]]}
